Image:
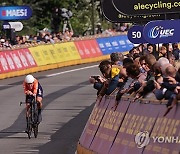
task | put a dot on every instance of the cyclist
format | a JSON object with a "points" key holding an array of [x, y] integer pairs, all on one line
{"points": [[33, 88]]}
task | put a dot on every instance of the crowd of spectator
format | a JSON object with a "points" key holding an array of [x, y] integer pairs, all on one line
{"points": [[46, 36], [145, 72]]}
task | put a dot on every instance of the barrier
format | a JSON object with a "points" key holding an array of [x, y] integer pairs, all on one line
{"points": [[114, 44], [49, 56], [88, 48], [109, 126], [17, 60], [94, 123], [133, 127]]}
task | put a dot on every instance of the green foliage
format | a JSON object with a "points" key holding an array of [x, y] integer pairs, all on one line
{"points": [[42, 14]]}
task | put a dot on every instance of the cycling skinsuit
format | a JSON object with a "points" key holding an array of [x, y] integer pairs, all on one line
{"points": [[36, 89]]}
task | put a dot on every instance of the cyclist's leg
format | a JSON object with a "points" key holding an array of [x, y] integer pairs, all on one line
{"points": [[39, 98], [39, 105]]}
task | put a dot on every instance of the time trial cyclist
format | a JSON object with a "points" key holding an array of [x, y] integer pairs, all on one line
{"points": [[32, 88]]}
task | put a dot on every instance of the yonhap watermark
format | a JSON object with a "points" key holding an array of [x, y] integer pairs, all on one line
{"points": [[166, 139], [142, 139]]}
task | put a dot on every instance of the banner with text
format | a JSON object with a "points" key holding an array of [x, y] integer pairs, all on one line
{"points": [[16, 60], [114, 44], [88, 48]]}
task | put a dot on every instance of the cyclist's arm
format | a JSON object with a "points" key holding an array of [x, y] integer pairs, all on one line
{"points": [[35, 89], [26, 91]]}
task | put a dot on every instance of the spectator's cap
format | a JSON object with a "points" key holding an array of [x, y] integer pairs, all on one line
{"points": [[2, 40]]}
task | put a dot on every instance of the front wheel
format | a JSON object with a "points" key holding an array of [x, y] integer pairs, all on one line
{"points": [[35, 130], [29, 127]]}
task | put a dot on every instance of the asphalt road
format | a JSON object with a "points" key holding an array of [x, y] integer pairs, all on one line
{"points": [[67, 104]]}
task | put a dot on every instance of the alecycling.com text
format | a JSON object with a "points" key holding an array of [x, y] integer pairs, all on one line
{"points": [[157, 5]]}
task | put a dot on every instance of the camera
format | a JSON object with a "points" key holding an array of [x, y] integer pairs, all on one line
{"points": [[95, 77]]}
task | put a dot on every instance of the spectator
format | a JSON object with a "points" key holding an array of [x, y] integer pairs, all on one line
{"points": [[169, 88], [152, 50], [176, 51], [112, 74], [116, 58], [163, 51]]}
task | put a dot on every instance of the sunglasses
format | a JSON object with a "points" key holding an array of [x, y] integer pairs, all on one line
{"points": [[143, 64]]}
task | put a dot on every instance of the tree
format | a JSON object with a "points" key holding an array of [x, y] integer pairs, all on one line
{"points": [[43, 15]]}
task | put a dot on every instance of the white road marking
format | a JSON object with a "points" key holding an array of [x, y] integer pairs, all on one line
{"points": [[28, 151], [55, 74]]}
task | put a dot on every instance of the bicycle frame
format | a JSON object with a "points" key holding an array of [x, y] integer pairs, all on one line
{"points": [[32, 123]]}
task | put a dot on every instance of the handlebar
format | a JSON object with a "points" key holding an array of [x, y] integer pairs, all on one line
{"points": [[20, 103]]}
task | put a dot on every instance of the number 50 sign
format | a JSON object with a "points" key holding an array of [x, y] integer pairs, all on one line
{"points": [[135, 34]]}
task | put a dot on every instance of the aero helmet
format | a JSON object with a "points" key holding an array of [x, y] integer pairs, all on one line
{"points": [[29, 79]]}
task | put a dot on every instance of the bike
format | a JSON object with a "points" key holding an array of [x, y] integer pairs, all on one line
{"points": [[32, 119]]}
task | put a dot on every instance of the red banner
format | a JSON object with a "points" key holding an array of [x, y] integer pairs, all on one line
{"points": [[88, 48], [26, 58], [16, 60], [6, 62]]}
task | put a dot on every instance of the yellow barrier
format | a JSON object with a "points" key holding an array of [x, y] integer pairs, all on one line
{"points": [[47, 56], [52, 66]]}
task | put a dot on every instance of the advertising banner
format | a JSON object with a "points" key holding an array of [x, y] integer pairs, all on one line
{"points": [[6, 62], [38, 56], [73, 53], [165, 136], [88, 48], [15, 12], [135, 34], [25, 57], [17, 26], [109, 126], [93, 123], [46, 54], [60, 56], [114, 44], [68, 51], [139, 119], [52, 49], [134, 7], [6, 25], [28, 56], [16, 60], [111, 14], [163, 31]]}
